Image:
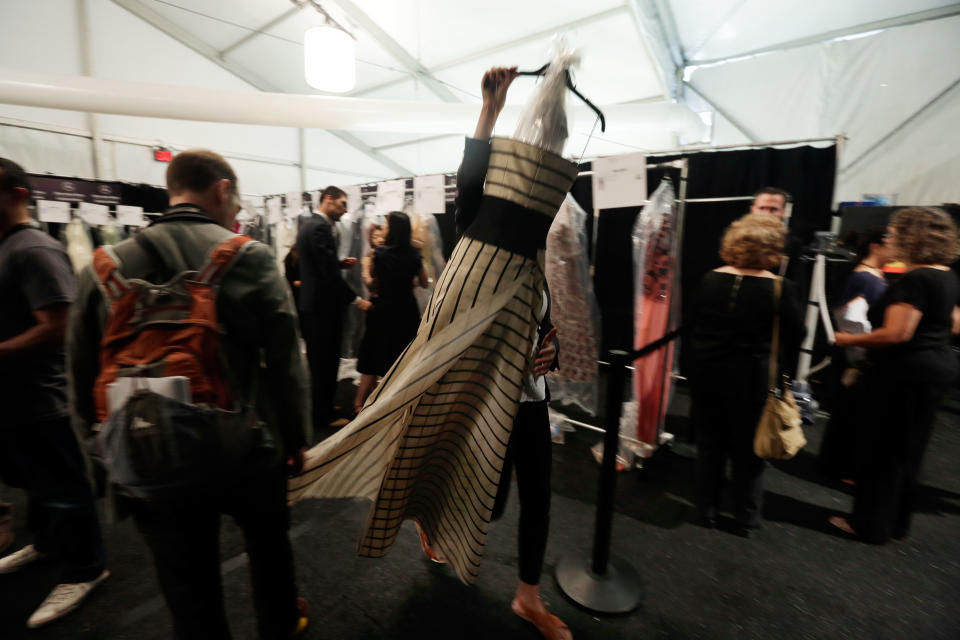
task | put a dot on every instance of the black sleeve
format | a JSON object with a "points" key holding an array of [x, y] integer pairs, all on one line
{"points": [[328, 263], [47, 277], [911, 289], [792, 330], [470, 177]]}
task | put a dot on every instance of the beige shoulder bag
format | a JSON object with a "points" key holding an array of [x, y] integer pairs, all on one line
{"points": [[779, 435]]}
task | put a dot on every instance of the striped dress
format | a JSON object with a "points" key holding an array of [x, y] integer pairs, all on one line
{"points": [[430, 441]]}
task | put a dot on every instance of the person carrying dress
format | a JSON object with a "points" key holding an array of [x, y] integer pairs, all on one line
{"points": [[392, 319], [430, 442], [732, 331], [909, 369]]}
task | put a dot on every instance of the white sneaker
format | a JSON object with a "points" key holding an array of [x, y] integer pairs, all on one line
{"points": [[19, 559], [62, 600]]}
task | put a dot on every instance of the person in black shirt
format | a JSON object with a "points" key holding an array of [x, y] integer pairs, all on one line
{"points": [[39, 451], [910, 367], [732, 331]]}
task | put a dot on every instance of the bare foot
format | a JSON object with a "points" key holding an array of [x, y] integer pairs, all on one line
{"points": [[842, 524], [528, 605]]}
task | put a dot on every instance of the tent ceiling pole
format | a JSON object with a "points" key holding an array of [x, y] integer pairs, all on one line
{"points": [[396, 50], [168, 27], [902, 125], [900, 21], [663, 46], [501, 47], [256, 32], [746, 132], [86, 68]]}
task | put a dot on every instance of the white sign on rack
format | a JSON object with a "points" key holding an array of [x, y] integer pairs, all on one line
{"points": [[429, 194], [620, 181], [95, 214], [390, 195], [294, 204], [53, 211], [274, 214], [354, 197], [131, 216]]}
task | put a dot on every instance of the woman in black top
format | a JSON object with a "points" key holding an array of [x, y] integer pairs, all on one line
{"points": [[863, 288], [733, 328], [392, 321], [910, 367]]}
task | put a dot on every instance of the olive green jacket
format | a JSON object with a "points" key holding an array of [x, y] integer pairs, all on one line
{"points": [[260, 341]]}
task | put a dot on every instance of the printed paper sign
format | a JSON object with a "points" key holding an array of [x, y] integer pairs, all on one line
{"points": [[274, 214], [354, 197], [390, 195], [53, 211], [132, 216], [429, 194], [294, 204], [620, 181], [95, 214]]}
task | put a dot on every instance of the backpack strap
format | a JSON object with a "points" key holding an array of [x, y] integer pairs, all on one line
{"points": [[222, 259], [106, 267]]}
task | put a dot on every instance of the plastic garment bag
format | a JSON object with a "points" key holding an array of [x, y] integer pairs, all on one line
{"points": [[543, 121], [574, 310], [656, 309], [426, 237], [79, 245]]}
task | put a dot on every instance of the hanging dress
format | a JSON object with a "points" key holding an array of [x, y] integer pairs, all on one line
{"points": [[430, 441]]}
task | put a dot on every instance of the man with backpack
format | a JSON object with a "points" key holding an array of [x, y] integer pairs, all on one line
{"points": [[186, 365], [39, 451]]}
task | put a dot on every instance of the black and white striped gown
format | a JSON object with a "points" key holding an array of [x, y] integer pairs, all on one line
{"points": [[430, 442]]}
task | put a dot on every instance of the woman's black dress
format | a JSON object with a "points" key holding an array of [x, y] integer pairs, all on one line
{"points": [[905, 384], [393, 321]]}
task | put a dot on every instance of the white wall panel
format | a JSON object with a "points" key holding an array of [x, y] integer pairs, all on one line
{"points": [[44, 152]]}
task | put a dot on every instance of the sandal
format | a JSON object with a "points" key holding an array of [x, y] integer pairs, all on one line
{"points": [[427, 549], [549, 625]]}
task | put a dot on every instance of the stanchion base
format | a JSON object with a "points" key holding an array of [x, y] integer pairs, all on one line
{"points": [[617, 591]]}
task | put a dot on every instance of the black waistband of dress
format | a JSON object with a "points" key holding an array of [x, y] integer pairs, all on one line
{"points": [[509, 226]]}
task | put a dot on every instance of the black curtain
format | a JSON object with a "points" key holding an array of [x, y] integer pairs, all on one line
{"points": [[806, 172]]}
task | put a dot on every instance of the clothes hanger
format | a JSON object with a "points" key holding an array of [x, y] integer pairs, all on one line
{"points": [[542, 70]]}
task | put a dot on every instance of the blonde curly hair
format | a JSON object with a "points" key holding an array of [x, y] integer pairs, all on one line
{"points": [[925, 235], [755, 241]]}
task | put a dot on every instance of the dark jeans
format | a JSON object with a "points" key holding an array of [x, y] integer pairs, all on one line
{"points": [[323, 335], [184, 537], [45, 459], [894, 437], [529, 450], [726, 406]]}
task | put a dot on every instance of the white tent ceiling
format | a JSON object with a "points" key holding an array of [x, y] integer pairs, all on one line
{"points": [[879, 71]]}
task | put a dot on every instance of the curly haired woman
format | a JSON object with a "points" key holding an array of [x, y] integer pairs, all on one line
{"points": [[910, 367], [733, 328]]}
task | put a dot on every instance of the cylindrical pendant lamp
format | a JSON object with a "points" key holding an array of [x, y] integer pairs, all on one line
{"points": [[330, 59]]}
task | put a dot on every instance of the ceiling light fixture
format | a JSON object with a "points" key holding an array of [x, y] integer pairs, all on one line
{"points": [[329, 54]]}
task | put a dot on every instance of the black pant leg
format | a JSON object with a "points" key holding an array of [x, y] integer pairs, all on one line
{"points": [[184, 541], [533, 458], [62, 511], [928, 399], [259, 507], [746, 469], [331, 342], [711, 427], [309, 327], [506, 473]]}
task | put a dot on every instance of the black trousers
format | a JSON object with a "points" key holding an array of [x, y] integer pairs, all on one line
{"points": [[529, 450], [323, 334], [726, 408], [184, 538], [894, 437], [45, 459]]}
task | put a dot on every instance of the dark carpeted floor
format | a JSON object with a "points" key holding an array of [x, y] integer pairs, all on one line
{"points": [[793, 579]]}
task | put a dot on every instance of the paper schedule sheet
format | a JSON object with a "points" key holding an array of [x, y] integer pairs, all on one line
{"points": [[620, 181]]}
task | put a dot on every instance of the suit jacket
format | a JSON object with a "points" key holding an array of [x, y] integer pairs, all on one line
{"points": [[322, 289]]}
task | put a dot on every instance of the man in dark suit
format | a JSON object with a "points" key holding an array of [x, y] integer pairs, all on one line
{"points": [[324, 296]]}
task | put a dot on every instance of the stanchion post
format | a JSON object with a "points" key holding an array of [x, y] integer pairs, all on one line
{"points": [[604, 584], [616, 372]]}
